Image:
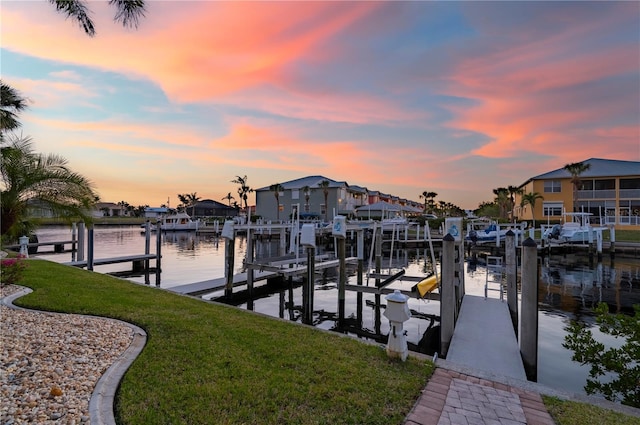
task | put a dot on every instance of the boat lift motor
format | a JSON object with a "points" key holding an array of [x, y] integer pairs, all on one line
{"points": [[397, 312]]}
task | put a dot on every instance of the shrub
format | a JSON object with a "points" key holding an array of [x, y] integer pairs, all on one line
{"points": [[11, 270]]}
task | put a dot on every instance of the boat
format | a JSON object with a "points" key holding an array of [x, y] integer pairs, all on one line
{"points": [[482, 230], [180, 221], [575, 229], [393, 222], [426, 285], [143, 227]]}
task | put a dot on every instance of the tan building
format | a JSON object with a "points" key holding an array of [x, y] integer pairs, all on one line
{"points": [[610, 190]]}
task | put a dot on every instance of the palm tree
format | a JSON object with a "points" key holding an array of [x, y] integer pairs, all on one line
{"points": [[229, 197], [189, 200], [31, 177], [276, 189], [576, 169], [307, 193], [128, 12], [324, 185], [502, 200], [243, 191], [11, 103], [531, 198], [513, 190], [429, 198]]}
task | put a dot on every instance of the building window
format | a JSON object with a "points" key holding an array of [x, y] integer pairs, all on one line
{"points": [[609, 184], [552, 186], [552, 209], [295, 194]]}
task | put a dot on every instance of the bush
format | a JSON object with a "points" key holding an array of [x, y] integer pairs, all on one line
{"points": [[11, 270], [623, 362]]}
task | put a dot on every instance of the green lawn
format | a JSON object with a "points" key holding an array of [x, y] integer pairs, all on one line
{"points": [[206, 363]]}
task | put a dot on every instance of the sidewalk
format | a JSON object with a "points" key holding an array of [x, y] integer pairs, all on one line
{"points": [[454, 398]]}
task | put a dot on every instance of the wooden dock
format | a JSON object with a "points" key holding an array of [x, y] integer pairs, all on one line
{"points": [[284, 268], [112, 260]]}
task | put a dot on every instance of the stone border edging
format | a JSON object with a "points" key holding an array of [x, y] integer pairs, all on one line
{"points": [[102, 398]]}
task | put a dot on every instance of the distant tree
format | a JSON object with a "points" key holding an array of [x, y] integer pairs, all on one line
{"points": [[189, 200], [128, 12], [513, 190], [487, 209], [229, 197], [139, 210], [307, 194], [429, 200], [276, 189], [576, 169], [622, 363], [530, 199], [243, 192], [502, 200], [46, 179], [324, 185]]}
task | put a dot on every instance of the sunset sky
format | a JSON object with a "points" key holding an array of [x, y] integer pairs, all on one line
{"points": [[457, 98]]}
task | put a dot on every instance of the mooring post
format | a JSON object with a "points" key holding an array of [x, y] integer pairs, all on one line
{"points": [[90, 247], [74, 239], [512, 278], [283, 240], [311, 266], [147, 249], [360, 253], [228, 233], [529, 323], [447, 294], [612, 238], [378, 255], [599, 244], [158, 254], [81, 235], [250, 271]]}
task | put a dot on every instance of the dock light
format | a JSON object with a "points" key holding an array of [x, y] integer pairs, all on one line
{"points": [[308, 235], [227, 230], [397, 312], [339, 228], [24, 250]]}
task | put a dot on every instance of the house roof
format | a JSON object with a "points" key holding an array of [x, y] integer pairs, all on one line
{"points": [[210, 203], [311, 181], [597, 168]]}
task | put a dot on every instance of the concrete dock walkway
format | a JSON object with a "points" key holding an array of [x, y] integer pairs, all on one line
{"points": [[484, 338], [483, 380]]}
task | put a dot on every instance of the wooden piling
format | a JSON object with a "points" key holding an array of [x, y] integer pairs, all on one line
{"points": [[158, 256], [81, 236], [447, 294], [147, 249], [378, 260], [529, 323], [512, 278], [250, 271], [90, 247], [229, 247], [612, 238], [308, 287], [342, 279]]}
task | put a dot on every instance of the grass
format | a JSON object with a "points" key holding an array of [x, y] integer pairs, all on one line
{"points": [[574, 413], [209, 363]]}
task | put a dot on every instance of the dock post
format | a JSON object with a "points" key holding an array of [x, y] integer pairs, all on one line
{"points": [[228, 233], [158, 255], [283, 241], [378, 254], [612, 238], [74, 238], [529, 323], [512, 278], [360, 282], [90, 247], [147, 249], [343, 277], [81, 235], [599, 244], [249, 260], [309, 284], [447, 294]]}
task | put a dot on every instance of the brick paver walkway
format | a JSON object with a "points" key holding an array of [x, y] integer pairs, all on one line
{"points": [[452, 398]]}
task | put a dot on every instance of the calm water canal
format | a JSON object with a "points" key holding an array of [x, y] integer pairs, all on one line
{"points": [[569, 288]]}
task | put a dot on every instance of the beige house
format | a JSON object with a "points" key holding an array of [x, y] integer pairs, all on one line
{"points": [[610, 190]]}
